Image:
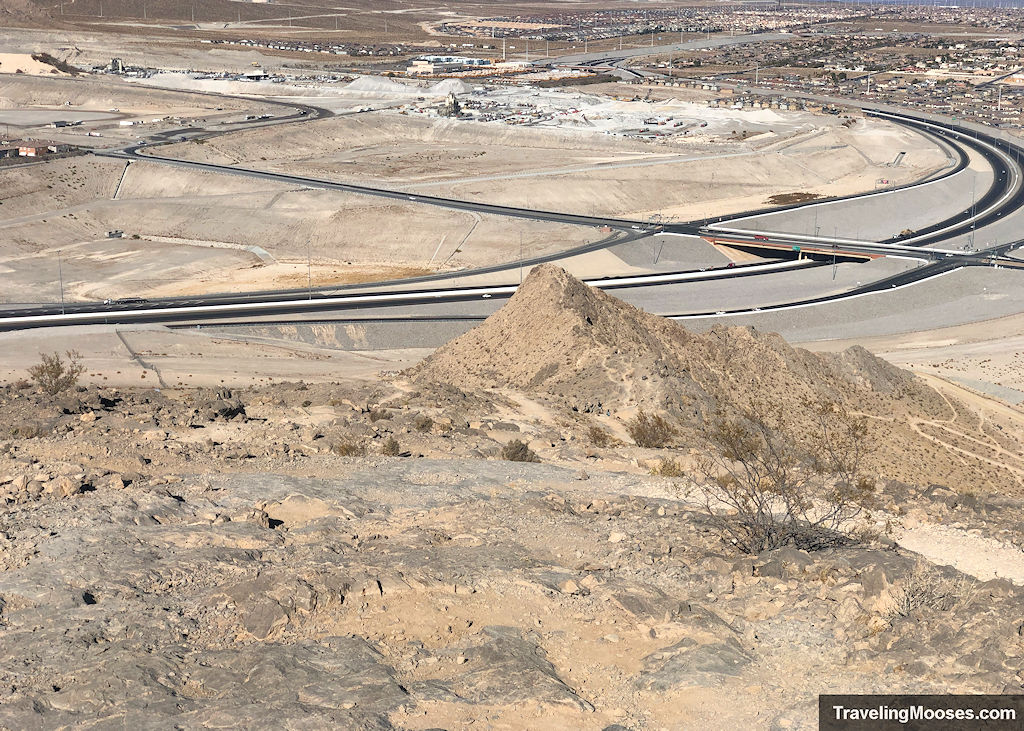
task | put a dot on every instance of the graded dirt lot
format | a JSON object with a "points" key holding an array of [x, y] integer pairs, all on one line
{"points": [[204, 232], [585, 171], [189, 232]]}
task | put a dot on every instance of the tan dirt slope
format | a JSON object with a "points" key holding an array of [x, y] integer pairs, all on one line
{"points": [[585, 350]]}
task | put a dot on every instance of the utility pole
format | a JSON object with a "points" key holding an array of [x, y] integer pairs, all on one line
{"points": [[520, 257], [503, 48], [527, 50], [60, 277], [835, 242], [974, 183], [309, 272]]}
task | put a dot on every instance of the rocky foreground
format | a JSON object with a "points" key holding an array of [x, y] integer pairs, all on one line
{"points": [[421, 593], [362, 556]]}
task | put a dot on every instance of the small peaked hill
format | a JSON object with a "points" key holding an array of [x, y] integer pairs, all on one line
{"points": [[561, 341], [559, 337]]}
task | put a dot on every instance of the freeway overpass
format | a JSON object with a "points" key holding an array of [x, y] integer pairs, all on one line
{"points": [[1003, 197]]}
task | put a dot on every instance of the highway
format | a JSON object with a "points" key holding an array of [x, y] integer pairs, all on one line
{"points": [[201, 309], [1004, 196], [132, 153]]}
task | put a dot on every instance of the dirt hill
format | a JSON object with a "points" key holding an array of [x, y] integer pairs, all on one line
{"points": [[559, 337], [580, 348]]}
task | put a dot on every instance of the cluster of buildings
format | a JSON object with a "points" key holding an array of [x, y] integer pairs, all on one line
{"points": [[335, 49], [464, 66], [881, 58], [753, 17], [11, 148]]}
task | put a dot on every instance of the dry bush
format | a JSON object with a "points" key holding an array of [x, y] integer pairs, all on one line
{"points": [[391, 447], [783, 481], [518, 451], [668, 468], [349, 449], [380, 414], [422, 423], [28, 430], [927, 588], [650, 431], [599, 437], [54, 375]]}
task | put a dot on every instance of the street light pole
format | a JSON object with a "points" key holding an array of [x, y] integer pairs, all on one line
{"points": [[520, 257], [60, 277], [309, 272]]}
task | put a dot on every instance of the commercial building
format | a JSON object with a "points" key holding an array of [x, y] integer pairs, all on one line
{"points": [[39, 148], [434, 65]]}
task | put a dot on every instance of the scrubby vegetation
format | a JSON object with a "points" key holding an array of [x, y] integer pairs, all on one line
{"points": [[518, 451], [782, 482], [349, 449], [650, 431], [927, 588], [55, 375], [600, 437], [668, 468]]}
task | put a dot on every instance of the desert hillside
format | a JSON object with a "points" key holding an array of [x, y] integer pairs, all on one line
{"points": [[476, 539], [584, 350]]}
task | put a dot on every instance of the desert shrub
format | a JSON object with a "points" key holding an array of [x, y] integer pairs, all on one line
{"points": [[28, 430], [380, 414], [668, 468], [518, 451], [599, 437], [391, 447], [927, 588], [651, 431], [784, 481], [55, 375], [422, 423], [349, 449]]}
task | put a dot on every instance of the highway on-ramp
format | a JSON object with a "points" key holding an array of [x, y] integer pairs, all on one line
{"points": [[1004, 196]]}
